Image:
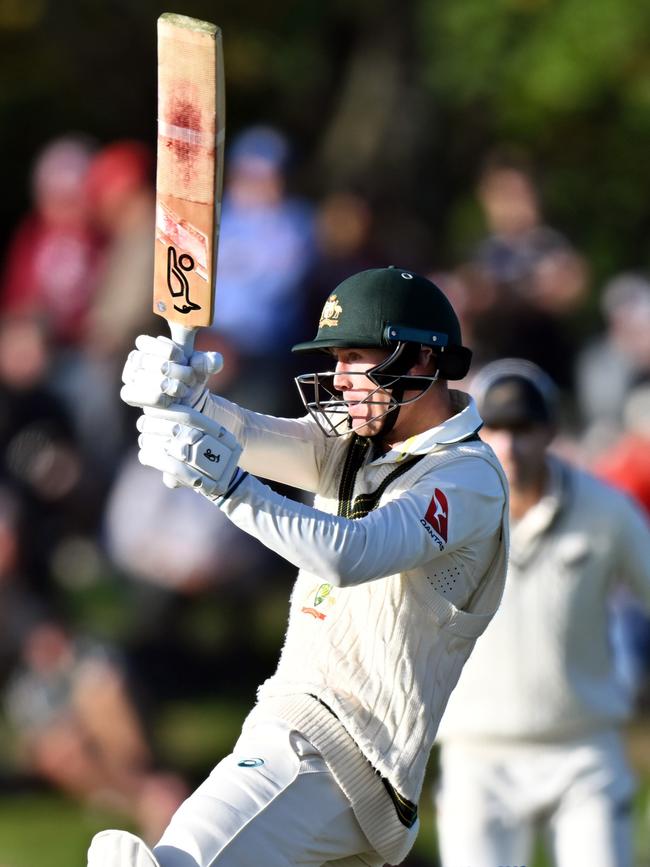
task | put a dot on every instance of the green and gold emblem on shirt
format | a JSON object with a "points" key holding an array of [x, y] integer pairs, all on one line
{"points": [[317, 596]]}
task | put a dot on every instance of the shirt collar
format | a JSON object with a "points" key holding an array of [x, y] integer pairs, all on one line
{"points": [[463, 424]]}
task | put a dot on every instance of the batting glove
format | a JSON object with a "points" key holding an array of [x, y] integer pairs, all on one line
{"points": [[119, 849], [190, 450], [157, 374]]}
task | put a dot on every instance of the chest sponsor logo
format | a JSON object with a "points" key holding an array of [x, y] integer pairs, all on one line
{"points": [[318, 601], [436, 520]]}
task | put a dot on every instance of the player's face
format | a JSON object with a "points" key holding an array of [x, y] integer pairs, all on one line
{"points": [[521, 451], [367, 404]]}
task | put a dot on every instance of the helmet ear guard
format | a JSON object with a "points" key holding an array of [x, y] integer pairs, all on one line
{"points": [[454, 362]]}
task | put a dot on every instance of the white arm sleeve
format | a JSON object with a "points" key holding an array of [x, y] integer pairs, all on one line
{"points": [[284, 450], [395, 537]]}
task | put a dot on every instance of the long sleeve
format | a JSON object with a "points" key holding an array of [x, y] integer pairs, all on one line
{"points": [[284, 450], [397, 537]]}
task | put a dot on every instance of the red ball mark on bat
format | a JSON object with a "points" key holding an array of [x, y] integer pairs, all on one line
{"points": [[185, 119]]}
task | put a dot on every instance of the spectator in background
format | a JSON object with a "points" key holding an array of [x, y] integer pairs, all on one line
{"points": [[266, 248], [609, 367], [52, 260], [28, 405], [174, 554], [626, 465], [524, 279], [202, 549], [40, 454], [344, 245], [121, 198], [78, 728], [531, 736], [121, 202], [520, 251], [18, 606]]}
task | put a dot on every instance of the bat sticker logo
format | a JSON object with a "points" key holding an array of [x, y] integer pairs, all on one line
{"points": [[177, 282], [437, 516]]}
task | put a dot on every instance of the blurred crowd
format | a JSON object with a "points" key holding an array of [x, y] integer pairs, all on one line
{"points": [[79, 514]]}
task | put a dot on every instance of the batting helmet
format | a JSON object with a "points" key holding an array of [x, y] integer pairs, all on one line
{"points": [[386, 306], [393, 308]]}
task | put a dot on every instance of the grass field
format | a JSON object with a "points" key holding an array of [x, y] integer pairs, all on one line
{"points": [[45, 830]]}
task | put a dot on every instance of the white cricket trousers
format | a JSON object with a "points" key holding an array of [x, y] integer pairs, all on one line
{"points": [[272, 802], [492, 799]]}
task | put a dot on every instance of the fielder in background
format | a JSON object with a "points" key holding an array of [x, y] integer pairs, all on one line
{"points": [[531, 737], [401, 566]]}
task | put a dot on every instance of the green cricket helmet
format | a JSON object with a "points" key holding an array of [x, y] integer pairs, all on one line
{"points": [[392, 308]]}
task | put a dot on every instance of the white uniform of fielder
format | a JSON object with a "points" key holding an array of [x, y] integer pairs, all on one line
{"points": [[531, 736]]}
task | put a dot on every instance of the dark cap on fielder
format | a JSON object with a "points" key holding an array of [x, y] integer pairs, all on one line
{"points": [[515, 393]]}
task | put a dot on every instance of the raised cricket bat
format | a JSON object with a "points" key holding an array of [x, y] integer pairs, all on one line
{"points": [[191, 134]]}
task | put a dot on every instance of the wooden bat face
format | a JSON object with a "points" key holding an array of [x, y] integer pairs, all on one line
{"points": [[191, 133]]}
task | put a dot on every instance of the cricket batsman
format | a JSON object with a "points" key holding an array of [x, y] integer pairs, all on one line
{"points": [[401, 564], [531, 738]]}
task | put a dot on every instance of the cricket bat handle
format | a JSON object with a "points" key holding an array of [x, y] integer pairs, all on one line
{"points": [[183, 337]]}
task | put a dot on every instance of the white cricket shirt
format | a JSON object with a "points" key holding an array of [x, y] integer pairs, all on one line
{"points": [[544, 669], [390, 597]]}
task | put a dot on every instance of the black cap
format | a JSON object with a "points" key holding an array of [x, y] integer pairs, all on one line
{"points": [[515, 393]]}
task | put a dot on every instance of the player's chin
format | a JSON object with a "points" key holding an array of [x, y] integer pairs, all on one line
{"points": [[365, 427]]}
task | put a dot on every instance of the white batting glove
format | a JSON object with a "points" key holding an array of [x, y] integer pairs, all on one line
{"points": [[157, 374], [190, 450], [119, 849]]}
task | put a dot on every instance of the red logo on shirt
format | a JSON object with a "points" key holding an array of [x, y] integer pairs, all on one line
{"points": [[437, 514]]}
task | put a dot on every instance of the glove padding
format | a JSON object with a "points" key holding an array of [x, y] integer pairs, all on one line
{"points": [[157, 374], [189, 449]]}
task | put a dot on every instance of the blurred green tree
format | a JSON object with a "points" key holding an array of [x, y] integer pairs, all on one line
{"points": [[401, 101], [568, 80]]}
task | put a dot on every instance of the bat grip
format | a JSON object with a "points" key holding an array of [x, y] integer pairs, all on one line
{"points": [[183, 337]]}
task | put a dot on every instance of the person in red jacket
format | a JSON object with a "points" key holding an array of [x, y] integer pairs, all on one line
{"points": [[53, 257]]}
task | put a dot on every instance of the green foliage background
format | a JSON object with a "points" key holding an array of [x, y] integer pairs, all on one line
{"points": [[401, 100]]}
